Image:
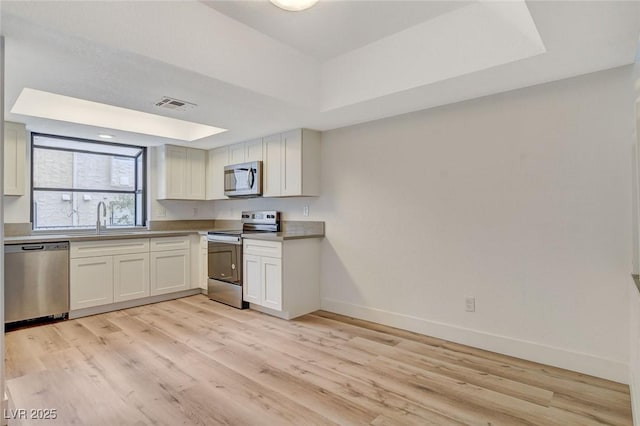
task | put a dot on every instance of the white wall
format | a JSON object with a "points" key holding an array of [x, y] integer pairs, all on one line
{"points": [[522, 200]]}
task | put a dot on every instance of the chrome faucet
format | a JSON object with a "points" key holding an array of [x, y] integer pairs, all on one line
{"points": [[99, 225]]}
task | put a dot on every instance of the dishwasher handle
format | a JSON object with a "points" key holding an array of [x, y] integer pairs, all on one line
{"points": [[32, 248]]}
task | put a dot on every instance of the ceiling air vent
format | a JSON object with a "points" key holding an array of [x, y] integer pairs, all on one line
{"points": [[174, 104]]}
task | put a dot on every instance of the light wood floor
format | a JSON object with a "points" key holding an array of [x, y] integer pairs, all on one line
{"points": [[196, 362]]}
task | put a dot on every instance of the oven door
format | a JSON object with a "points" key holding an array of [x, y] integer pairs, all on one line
{"points": [[225, 262]]}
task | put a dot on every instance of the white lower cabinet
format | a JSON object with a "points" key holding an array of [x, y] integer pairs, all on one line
{"points": [[90, 282], [99, 275], [106, 272], [282, 278], [170, 271], [130, 276]]}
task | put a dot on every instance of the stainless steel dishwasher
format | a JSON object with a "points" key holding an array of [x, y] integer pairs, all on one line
{"points": [[36, 280]]}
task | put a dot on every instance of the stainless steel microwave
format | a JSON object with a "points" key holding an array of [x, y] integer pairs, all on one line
{"points": [[243, 180]]}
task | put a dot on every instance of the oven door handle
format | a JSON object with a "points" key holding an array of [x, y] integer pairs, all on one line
{"points": [[225, 240]]}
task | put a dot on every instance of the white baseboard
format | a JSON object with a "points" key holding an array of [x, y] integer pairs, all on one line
{"points": [[532, 351]]}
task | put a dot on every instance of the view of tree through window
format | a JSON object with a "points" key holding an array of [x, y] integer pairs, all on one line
{"points": [[71, 176]]}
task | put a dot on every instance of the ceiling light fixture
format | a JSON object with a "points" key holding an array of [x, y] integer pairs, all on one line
{"points": [[105, 136], [294, 5], [37, 103]]}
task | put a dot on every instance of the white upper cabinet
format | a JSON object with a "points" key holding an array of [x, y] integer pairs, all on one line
{"points": [[217, 159], [236, 154], [245, 152], [196, 171], [271, 168], [15, 135], [253, 150], [181, 173], [292, 164]]}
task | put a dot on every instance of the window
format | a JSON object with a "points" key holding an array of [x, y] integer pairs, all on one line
{"points": [[71, 176]]}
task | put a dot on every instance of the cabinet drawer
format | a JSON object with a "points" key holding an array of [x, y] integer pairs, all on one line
{"points": [[108, 248], [262, 248], [169, 243]]}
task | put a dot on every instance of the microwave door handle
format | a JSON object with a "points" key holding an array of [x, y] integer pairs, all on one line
{"points": [[252, 178]]}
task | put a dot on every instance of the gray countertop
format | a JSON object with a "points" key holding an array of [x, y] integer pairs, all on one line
{"points": [[282, 236], [291, 230], [43, 238]]}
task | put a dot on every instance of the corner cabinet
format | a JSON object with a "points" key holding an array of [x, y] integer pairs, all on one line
{"points": [[281, 277], [292, 164], [15, 152], [180, 173]]}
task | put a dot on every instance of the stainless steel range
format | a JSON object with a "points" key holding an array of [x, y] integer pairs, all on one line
{"points": [[225, 256]]}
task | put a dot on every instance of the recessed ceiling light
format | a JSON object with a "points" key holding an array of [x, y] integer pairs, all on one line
{"points": [[37, 103], [105, 136], [294, 5]]}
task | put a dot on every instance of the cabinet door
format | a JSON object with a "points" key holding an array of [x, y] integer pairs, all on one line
{"points": [[291, 163], [130, 276], [253, 150], [271, 168], [218, 158], [236, 153], [176, 172], [271, 269], [15, 135], [252, 279], [90, 282], [169, 271], [196, 162]]}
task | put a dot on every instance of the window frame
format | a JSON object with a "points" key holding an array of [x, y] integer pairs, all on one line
{"points": [[142, 192]]}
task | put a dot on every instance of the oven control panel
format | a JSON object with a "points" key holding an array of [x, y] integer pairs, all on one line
{"points": [[267, 217]]}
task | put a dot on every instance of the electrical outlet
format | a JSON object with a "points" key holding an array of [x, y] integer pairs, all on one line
{"points": [[162, 212], [305, 210], [195, 212], [470, 304]]}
